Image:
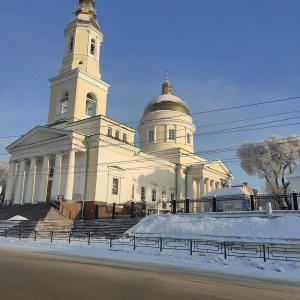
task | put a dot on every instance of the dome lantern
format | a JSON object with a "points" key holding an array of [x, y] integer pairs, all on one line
{"points": [[166, 86]]}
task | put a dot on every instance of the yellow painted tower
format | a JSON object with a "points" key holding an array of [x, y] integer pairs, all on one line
{"points": [[78, 92]]}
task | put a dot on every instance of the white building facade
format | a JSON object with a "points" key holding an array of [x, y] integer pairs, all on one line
{"points": [[84, 155]]}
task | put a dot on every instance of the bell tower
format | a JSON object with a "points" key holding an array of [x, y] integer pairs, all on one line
{"points": [[78, 92]]}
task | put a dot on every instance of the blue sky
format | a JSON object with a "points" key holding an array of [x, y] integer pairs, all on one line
{"points": [[219, 54]]}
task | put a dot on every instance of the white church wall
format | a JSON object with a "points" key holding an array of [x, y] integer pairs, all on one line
{"points": [[129, 169]]}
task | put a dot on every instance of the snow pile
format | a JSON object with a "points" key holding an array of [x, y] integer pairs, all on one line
{"points": [[197, 226], [18, 218]]}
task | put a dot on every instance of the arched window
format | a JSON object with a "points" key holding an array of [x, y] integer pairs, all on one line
{"points": [[64, 103], [71, 44], [90, 105], [93, 46]]}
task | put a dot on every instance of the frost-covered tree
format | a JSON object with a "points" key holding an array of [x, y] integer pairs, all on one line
{"points": [[4, 168], [272, 159]]}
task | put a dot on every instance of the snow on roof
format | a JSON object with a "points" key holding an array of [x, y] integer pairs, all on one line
{"points": [[167, 97], [234, 191], [295, 174], [18, 218]]}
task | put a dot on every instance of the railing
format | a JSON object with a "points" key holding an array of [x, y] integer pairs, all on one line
{"points": [[263, 251], [55, 203]]}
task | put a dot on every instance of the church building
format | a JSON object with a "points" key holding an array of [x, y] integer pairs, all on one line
{"points": [[83, 155]]}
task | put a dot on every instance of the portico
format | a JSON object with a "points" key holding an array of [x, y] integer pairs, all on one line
{"points": [[40, 177]]}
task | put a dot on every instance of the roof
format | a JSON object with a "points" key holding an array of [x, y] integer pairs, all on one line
{"points": [[234, 191], [167, 102]]}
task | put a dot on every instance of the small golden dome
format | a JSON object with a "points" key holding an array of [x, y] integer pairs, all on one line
{"points": [[166, 101]]}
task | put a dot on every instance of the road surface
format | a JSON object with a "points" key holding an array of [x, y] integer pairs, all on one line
{"points": [[34, 276]]}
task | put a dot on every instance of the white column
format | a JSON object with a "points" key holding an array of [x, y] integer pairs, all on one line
{"points": [[70, 176], [190, 187], [154, 133], [10, 182], [56, 176], [202, 192], [30, 181], [212, 184], [206, 185], [44, 180], [20, 182]]}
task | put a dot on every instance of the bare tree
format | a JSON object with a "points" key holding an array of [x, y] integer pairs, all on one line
{"points": [[4, 168], [271, 159]]}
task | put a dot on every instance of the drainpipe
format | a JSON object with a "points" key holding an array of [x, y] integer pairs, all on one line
{"points": [[86, 174], [176, 175]]}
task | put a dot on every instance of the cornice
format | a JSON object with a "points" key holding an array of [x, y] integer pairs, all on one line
{"points": [[79, 73], [75, 24]]}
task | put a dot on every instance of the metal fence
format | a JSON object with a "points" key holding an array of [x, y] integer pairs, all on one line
{"points": [[263, 251]]}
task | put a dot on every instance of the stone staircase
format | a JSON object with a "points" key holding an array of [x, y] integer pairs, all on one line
{"points": [[104, 227], [46, 222]]}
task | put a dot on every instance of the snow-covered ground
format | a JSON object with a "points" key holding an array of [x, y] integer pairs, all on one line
{"points": [[250, 227], [195, 226]]}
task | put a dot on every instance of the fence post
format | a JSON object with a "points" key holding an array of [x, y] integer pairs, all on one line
{"points": [[214, 204], [34, 235], [264, 250], [89, 237], [174, 205], [132, 210], [70, 233], [295, 200], [51, 235], [134, 242], [191, 247], [5, 232], [161, 244], [187, 206], [20, 233], [225, 254], [110, 240], [113, 215], [252, 202]]}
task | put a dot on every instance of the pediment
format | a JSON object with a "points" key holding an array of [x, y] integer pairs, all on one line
{"points": [[37, 136]]}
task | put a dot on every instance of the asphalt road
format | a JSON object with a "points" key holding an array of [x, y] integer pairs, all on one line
{"points": [[25, 275]]}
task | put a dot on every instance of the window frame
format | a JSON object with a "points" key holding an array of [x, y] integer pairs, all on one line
{"points": [[154, 195], [188, 138], [109, 132], [93, 47], [151, 136], [89, 100], [172, 134], [64, 104], [143, 193], [115, 186]]}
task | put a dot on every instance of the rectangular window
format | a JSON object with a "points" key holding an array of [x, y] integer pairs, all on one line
{"points": [[171, 134], [109, 131], [132, 192], [125, 137], [143, 193], [188, 138], [153, 195], [115, 188], [117, 134], [151, 136]]}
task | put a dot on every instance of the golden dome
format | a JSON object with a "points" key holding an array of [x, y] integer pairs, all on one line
{"points": [[167, 101]]}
